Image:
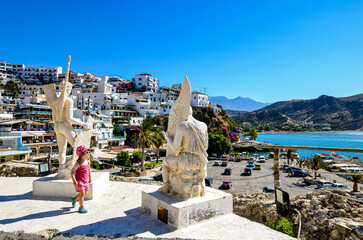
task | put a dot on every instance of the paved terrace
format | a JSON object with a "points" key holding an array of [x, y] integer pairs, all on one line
{"points": [[117, 213]]}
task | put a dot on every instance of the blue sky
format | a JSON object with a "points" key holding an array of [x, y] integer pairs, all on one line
{"points": [[266, 50]]}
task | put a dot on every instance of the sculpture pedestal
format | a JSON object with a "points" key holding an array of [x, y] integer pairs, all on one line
{"points": [[180, 214], [53, 187]]}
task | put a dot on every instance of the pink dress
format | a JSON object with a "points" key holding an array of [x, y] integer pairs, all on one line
{"points": [[82, 177]]}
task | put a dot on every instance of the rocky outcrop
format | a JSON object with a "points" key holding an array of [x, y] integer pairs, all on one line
{"points": [[325, 215], [252, 146], [8, 170]]}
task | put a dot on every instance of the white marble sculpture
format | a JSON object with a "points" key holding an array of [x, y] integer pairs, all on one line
{"points": [[62, 116], [185, 166]]}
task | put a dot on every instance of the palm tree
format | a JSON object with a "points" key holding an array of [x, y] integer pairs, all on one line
{"points": [[143, 139], [158, 139], [300, 162], [356, 179], [290, 154], [316, 163]]}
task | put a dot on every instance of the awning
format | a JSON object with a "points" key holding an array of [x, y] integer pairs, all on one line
{"points": [[108, 124], [108, 156]]}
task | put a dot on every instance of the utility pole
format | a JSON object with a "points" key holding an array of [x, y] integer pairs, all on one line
{"points": [[277, 182]]}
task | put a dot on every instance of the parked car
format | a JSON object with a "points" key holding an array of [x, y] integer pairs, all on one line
{"points": [[323, 183], [298, 173], [247, 172], [224, 164], [262, 159], [250, 164], [339, 186], [252, 159], [158, 177], [208, 182], [216, 163], [227, 184], [268, 190], [145, 179], [227, 171], [286, 168], [257, 167]]}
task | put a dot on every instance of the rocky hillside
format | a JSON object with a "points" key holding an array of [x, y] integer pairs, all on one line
{"points": [[325, 214], [345, 113]]}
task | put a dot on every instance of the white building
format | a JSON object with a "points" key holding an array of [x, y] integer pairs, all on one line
{"points": [[102, 132], [136, 121], [199, 99], [147, 80], [26, 74], [99, 93], [149, 104]]}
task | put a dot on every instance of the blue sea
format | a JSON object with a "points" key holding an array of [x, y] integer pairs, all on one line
{"points": [[318, 139]]}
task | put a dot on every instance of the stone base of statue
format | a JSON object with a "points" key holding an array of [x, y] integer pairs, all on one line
{"points": [[51, 186], [179, 213]]}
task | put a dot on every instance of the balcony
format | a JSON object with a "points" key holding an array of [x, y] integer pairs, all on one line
{"points": [[40, 141]]}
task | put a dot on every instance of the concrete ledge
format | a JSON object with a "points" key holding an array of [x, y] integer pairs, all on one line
{"points": [[53, 187], [180, 214]]}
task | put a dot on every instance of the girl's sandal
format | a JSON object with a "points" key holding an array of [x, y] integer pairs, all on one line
{"points": [[82, 210], [73, 201]]}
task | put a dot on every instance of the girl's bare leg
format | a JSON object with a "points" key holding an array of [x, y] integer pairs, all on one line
{"points": [[81, 198], [76, 198]]}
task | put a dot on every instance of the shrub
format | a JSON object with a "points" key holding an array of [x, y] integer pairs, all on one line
{"points": [[152, 164], [136, 157], [95, 165], [123, 158], [283, 225]]}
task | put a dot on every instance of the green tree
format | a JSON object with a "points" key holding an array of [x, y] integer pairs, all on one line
{"points": [[219, 144], [158, 139], [317, 163], [116, 130], [123, 158], [137, 157], [300, 162], [143, 139], [356, 179], [11, 88], [252, 133], [95, 165]]}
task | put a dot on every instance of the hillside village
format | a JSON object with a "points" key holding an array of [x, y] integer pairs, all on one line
{"points": [[113, 102]]}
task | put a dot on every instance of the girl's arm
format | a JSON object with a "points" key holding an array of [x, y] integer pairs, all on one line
{"points": [[89, 173], [73, 172]]}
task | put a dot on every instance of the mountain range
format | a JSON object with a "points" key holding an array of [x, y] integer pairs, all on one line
{"points": [[343, 112], [238, 103]]}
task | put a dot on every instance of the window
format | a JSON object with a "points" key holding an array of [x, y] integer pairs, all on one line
{"points": [[140, 84], [195, 97], [140, 79]]}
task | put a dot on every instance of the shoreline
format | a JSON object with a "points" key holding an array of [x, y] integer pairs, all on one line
{"points": [[286, 132]]}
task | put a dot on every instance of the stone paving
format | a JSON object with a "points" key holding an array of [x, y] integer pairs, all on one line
{"points": [[117, 213]]}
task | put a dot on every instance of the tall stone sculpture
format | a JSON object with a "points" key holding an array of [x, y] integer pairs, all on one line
{"points": [[185, 166], [62, 117]]}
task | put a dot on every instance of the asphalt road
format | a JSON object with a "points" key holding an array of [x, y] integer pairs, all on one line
{"points": [[255, 182]]}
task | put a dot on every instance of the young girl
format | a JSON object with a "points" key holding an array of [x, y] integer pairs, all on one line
{"points": [[81, 177]]}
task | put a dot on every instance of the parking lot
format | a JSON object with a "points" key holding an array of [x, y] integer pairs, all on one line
{"points": [[257, 181]]}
